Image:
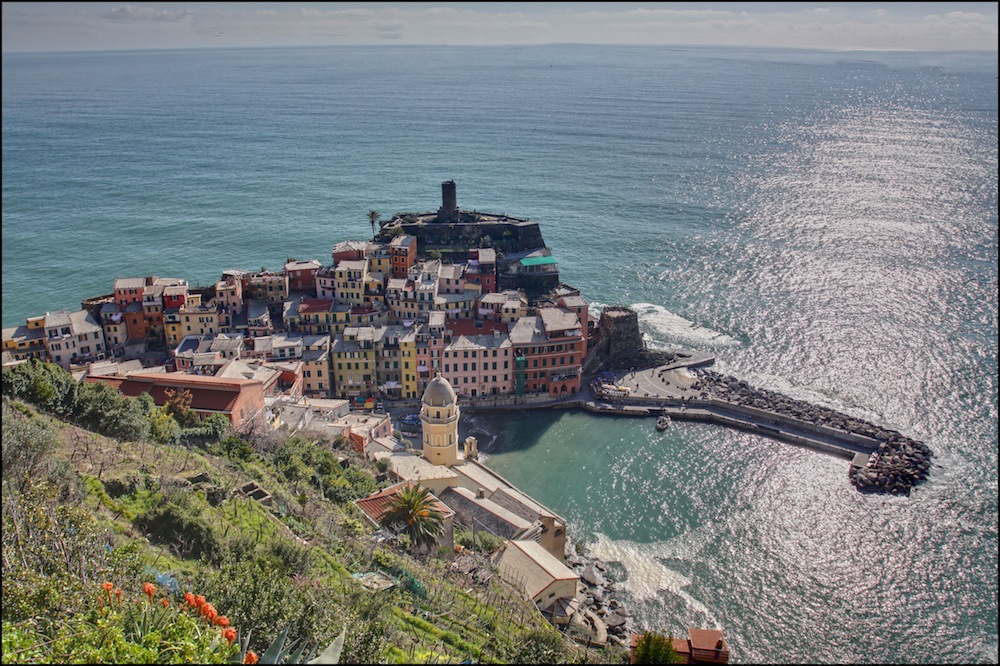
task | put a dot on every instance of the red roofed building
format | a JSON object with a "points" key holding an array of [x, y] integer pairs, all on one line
{"points": [[475, 327], [241, 400], [375, 506], [702, 646]]}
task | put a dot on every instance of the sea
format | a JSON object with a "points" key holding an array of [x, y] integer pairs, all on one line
{"points": [[824, 223]]}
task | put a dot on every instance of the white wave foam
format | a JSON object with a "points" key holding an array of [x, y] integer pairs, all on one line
{"points": [[647, 576], [673, 327]]}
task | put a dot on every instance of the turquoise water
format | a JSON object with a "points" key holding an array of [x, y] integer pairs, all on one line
{"points": [[824, 223]]}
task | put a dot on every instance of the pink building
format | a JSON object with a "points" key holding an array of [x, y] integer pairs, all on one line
{"points": [[478, 358]]}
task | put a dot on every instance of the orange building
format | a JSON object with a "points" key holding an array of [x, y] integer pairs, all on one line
{"points": [[241, 400], [403, 251]]}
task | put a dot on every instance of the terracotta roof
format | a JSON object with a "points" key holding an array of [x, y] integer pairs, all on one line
{"points": [[315, 305], [705, 639], [213, 400], [375, 506], [468, 327]]}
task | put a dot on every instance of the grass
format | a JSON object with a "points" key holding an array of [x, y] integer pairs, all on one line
{"points": [[464, 621]]}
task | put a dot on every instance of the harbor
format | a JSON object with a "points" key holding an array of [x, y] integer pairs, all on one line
{"points": [[880, 460]]}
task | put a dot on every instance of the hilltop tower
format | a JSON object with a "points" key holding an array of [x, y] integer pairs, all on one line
{"points": [[439, 414], [448, 212]]}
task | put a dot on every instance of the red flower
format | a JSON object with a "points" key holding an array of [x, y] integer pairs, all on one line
{"points": [[222, 621], [251, 657], [199, 600], [107, 587], [209, 612], [189, 599], [229, 634], [118, 593], [164, 602], [149, 590]]}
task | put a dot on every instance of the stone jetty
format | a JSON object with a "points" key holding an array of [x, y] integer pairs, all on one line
{"points": [[895, 464]]}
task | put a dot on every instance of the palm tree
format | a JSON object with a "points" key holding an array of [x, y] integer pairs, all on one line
{"points": [[373, 217], [413, 512]]}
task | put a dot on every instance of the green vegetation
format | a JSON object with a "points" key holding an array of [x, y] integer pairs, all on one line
{"points": [[413, 512], [100, 488], [653, 648]]}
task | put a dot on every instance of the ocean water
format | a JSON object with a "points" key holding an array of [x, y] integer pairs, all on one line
{"points": [[824, 223]]}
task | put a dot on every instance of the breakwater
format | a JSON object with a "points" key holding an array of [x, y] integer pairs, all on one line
{"points": [[882, 460], [896, 463]]}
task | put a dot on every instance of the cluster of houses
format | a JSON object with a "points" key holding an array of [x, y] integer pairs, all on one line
{"points": [[376, 323]]}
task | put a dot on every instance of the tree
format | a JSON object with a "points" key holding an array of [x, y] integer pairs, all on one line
{"points": [[413, 512], [653, 648], [373, 217], [178, 405]]}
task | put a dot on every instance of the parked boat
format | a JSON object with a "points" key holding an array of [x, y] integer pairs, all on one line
{"points": [[412, 420], [663, 422]]}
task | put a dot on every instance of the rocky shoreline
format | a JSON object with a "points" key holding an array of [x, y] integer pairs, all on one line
{"points": [[895, 467], [600, 598]]}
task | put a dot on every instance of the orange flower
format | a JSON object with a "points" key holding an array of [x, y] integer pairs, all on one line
{"points": [[251, 657], [222, 621], [189, 599], [118, 593], [229, 634], [107, 587], [199, 600], [149, 590], [164, 602]]}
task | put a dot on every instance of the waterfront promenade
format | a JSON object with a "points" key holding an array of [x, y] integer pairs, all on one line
{"points": [[671, 390]]}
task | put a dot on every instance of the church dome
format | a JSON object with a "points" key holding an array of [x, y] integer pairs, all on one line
{"points": [[439, 393]]}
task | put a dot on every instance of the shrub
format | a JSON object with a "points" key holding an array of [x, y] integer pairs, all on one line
{"points": [[654, 648], [258, 593], [26, 445], [178, 521]]}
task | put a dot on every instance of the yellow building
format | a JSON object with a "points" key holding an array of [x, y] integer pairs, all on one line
{"points": [[28, 341], [349, 281], [316, 376], [408, 357], [200, 319], [268, 286], [439, 414], [352, 355], [379, 258]]}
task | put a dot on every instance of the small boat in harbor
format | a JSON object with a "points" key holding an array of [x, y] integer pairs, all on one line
{"points": [[663, 422], [412, 420]]}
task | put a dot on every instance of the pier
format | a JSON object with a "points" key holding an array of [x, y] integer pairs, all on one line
{"points": [[881, 460]]}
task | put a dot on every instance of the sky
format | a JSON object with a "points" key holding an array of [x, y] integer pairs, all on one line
{"points": [[88, 26]]}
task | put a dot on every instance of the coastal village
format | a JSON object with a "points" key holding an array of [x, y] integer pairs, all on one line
{"points": [[431, 314], [387, 343]]}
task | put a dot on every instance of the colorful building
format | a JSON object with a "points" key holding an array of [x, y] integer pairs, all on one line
{"points": [[73, 337], [302, 274], [403, 253], [549, 349], [352, 355]]}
